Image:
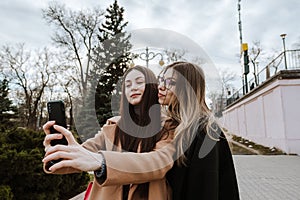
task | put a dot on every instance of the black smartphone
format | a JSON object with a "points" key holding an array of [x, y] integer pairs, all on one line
{"points": [[56, 112]]}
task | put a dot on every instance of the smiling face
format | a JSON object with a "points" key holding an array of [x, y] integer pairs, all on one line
{"points": [[166, 87], [134, 87]]}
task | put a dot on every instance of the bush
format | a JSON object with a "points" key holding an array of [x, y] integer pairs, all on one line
{"points": [[5, 192], [21, 169]]}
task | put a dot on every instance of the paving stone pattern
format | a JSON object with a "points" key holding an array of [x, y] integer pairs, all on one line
{"points": [[262, 177], [268, 177]]}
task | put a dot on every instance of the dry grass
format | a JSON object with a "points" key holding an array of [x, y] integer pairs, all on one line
{"points": [[242, 146]]}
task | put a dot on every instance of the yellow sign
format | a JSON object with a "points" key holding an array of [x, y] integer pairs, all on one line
{"points": [[244, 46]]}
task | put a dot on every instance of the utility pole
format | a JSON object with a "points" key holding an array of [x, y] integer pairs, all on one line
{"points": [[240, 22], [244, 77]]}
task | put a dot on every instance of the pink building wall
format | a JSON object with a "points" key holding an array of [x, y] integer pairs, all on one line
{"points": [[269, 114]]}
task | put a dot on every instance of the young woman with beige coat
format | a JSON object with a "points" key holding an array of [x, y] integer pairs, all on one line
{"points": [[124, 176]]}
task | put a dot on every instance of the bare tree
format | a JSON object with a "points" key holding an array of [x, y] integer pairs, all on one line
{"points": [[254, 53], [67, 87], [174, 55], [30, 73], [218, 98], [76, 33]]}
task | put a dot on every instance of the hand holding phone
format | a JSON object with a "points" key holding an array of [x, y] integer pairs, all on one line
{"points": [[56, 112]]}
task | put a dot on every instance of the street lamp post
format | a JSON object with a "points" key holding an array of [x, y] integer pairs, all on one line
{"points": [[284, 51], [146, 56]]}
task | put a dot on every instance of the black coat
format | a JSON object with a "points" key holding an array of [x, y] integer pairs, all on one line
{"points": [[212, 177]]}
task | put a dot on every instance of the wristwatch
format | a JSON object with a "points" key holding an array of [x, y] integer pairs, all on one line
{"points": [[100, 174]]}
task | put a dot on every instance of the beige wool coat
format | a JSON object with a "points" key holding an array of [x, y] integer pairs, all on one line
{"points": [[131, 168]]}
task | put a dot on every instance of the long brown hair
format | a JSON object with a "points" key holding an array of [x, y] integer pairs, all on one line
{"points": [[134, 119], [188, 105]]}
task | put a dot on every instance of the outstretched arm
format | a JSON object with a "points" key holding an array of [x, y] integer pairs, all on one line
{"points": [[128, 167], [121, 167]]}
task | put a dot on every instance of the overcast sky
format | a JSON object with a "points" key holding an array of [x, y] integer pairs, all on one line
{"points": [[212, 24]]}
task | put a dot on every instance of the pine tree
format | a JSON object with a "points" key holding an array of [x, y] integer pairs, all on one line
{"points": [[110, 58], [115, 46], [7, 110]]}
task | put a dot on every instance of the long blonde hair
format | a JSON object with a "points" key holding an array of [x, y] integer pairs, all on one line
{"points": [[188, 106]]}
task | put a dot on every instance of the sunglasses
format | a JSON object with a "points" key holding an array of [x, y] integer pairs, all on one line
{"points": [[167, 83]]}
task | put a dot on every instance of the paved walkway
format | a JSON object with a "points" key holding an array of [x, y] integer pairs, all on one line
{"points": [[265, 177], [268, 177]]}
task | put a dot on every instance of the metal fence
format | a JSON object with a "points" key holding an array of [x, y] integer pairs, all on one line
{"points": [[288, 60]]}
